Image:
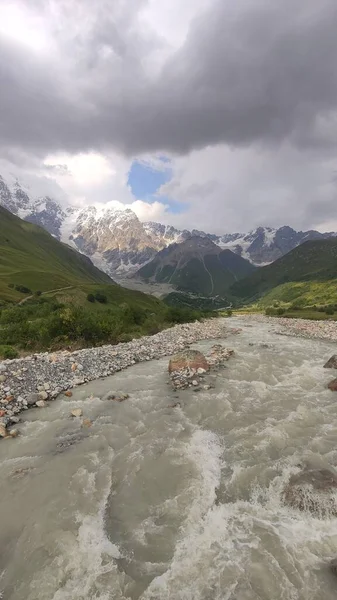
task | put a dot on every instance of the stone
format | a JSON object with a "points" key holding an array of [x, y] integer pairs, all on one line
{"points": [[32, 399], [41, 403], [86, 423], [332, 362], [43, 395], [313, 490], [333, 385], [195, 382], [74, 367], [68, 394], [76, 412], [3, 431], [333, 566], [188, 359], [14, 433], [2, 378], [175, 405], [2, 413], [9, 399]]}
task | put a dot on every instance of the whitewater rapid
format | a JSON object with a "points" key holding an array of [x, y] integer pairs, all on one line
{"points": [[160, 503]]}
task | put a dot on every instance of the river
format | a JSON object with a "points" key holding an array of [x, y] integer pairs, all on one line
{"points": [[160, 503]]}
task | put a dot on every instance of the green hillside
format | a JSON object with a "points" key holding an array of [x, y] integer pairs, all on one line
{"points": [[197, 266], [308, 269], [31, 257], [76, 305]]}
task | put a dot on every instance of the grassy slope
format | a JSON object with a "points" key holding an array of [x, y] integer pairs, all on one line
{"points": [[31, 257], [308, 269]]}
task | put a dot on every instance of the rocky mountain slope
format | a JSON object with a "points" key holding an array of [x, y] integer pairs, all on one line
{"points": [[120, 244], [197, 265]]}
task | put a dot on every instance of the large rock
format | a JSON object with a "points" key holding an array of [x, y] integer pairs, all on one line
{"points": [[332, 362], [188, 359], [333, 385], [313, 490]]}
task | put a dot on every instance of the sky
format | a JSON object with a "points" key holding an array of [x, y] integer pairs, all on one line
{"points": [[207, 114]]}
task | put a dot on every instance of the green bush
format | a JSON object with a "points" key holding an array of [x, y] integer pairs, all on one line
{"points": [[8, 352], [91, 298], [101, 298], [23, 289], [38, 293], [329, 311], [281, 311], [229, 312]]}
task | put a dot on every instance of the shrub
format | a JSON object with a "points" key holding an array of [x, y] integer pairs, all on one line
{"points": [[229, 312], [101, 298], [91, 298], [8, 352], [11, 285], [281, 311], [38, 293], [23, 289], [329, 311]]}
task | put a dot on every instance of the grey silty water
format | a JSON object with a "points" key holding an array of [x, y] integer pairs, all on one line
{"points": [[160, 503]]}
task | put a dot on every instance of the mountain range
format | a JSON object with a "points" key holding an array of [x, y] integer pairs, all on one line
{"points": [[120, 244], [197, 265]]}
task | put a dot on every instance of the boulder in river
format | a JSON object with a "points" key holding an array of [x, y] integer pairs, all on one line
{"points": [[333, 385], [313, 490], [332, 362], [188, 359]]}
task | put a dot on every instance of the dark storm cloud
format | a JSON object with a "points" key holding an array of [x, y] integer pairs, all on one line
{"points": [[248, 72]]}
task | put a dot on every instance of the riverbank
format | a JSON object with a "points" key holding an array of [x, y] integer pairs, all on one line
{"points": [[33, 380], [320, 330]]}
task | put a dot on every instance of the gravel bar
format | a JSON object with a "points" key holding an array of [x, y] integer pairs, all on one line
{"points": [[32, 380]]}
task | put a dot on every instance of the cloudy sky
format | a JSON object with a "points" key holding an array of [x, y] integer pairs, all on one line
{"points": [[214, 114]]}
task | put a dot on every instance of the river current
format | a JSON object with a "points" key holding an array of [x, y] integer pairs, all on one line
{"points": [[159, 503]]}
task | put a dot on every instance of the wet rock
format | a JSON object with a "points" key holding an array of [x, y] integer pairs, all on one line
{"points": [[76, 412], [333, 566], [14, 433], [3, 431], [41, 403], [175, 405], [332, 362], [313, 490], [188, 359], [43, 395], [219, 355], [116, 396], [333, 385], [32, 399], [86, 423], [68, 393]]}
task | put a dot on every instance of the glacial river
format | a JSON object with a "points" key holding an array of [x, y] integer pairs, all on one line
{"points": [[160, 503]]}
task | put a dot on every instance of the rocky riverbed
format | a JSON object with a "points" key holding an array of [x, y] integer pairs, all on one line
{"points": [[323, 330], [33, 380]]}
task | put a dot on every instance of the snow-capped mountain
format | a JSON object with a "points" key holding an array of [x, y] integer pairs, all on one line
{"points": [[120, 244]]}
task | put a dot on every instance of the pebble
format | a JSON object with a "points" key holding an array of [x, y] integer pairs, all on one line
{"points": [[76, 412], [41, 403]]}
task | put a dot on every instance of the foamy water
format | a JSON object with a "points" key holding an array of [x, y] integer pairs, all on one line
{"points": [[155, 503]]}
